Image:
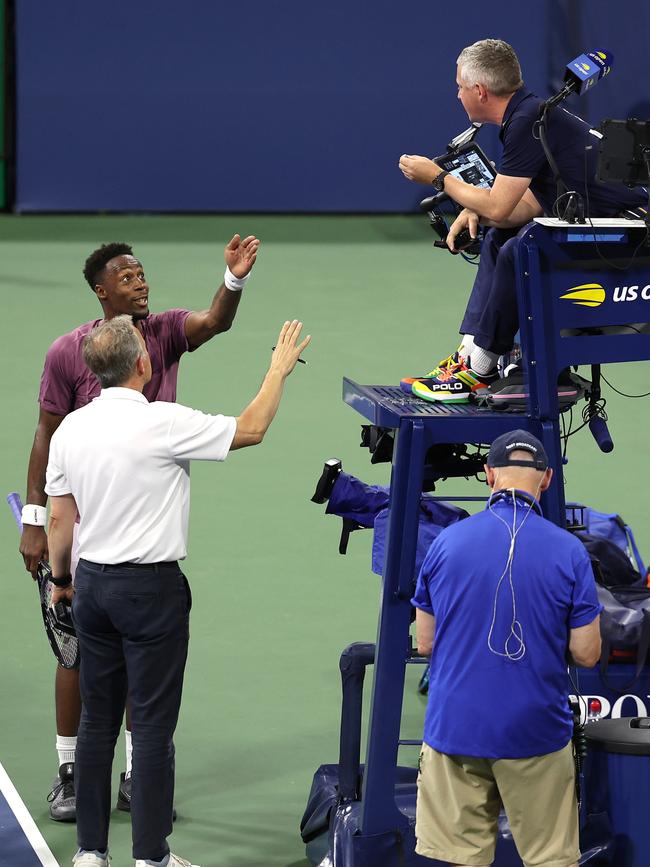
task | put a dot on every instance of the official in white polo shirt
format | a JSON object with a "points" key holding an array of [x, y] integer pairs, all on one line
{"points": [[122, 463]]}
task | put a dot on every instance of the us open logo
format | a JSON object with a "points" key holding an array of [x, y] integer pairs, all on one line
{"points": [[586, 295], [594, 294]]}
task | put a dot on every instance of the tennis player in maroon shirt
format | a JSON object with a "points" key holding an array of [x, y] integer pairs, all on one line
{"points": [[118, 280]]}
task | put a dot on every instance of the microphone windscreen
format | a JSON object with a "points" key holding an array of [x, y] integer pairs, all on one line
{"points": [[604, 59], [583, 72]]}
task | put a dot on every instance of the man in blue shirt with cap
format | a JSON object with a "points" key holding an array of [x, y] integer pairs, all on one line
{"points": [[491, 89], [502, 599]]}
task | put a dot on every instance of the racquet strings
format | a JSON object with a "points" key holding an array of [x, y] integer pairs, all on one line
{"points": [[66, 646]]}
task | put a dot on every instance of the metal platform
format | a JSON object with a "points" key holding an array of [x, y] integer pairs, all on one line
{"points": [[387, 406]]}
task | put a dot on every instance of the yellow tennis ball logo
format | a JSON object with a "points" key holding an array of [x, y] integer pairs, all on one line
{"points": [[586, 295]]}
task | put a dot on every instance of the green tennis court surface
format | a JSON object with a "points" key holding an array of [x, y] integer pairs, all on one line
{"points": [[274, 602]]}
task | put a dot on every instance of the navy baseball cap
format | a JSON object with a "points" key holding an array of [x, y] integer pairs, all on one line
{"points": [[517, 440]]}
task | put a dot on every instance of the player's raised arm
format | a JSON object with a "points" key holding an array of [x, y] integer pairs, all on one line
{"points": [[240, 256]]}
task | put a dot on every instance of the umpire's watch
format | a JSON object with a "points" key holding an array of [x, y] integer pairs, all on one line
{"points": [[439, 182], [62, 581]]}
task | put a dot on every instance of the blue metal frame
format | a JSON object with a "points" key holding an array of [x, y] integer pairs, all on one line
{"points": [[550, 261]]}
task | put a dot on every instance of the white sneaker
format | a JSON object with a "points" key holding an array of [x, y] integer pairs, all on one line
{"points": [[174, 861], [89, 859]]}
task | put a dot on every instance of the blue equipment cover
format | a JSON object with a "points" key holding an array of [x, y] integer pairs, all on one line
{"points": [[368, 505], [433, 517], [353, 499]]}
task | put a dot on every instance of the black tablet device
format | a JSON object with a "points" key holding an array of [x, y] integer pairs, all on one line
{"points": [[470, 164], [624, 152]]}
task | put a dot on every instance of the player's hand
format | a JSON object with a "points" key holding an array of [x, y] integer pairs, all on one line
{"points": [[287, 349], [240, 255], [62, 594], [33, 547], [419, 169], [465, 220]]}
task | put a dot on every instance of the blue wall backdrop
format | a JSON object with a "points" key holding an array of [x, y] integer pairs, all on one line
{"points": [[154, 105]]}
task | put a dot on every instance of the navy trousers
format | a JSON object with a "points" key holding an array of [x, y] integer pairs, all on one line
{"points": [[133, 626], [492, 314]]}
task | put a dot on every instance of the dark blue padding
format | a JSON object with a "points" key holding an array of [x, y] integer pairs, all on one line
{"points": [[352, 664], [293, 109], [331, 829]]}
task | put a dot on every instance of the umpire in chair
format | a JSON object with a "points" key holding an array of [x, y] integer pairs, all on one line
{"points": [[123, 464]]}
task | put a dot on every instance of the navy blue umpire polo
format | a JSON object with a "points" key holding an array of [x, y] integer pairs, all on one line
{"points": [[482, 704], [568, 137]]}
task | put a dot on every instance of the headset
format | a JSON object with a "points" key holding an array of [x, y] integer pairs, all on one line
{"points": [[516, 631]]}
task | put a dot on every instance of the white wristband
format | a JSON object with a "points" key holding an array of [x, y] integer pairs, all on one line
{"points": [[34, 515], [235, 284]]}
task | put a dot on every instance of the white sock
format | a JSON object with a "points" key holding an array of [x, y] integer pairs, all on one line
{"points": [[129, 752], [65, 748], [483, 361], [466, 345]]}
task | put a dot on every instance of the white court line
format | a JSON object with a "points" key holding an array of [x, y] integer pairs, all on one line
{"points": [[26, 822]]}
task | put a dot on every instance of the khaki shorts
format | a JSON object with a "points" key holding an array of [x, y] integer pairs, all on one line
{"points": [[459, 798]]}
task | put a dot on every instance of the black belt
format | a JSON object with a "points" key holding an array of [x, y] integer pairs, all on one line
{"points": [[164, 566]]}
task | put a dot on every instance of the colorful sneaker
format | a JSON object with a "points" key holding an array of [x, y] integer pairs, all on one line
{"points": [[454, 385], [453, 360]]}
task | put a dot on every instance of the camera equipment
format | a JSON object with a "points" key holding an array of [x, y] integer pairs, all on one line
{"points": [[624, 154], [466, 161], [464, 137], [469, 164]]}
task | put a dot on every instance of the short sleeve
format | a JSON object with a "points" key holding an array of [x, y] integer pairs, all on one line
{"points": [[56, 393], [523, 155], [56, 483], [422, 596], [171, 331], [585, 606], [195, 435]]}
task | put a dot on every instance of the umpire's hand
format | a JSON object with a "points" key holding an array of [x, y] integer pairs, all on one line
{"points": [[287, 350], [62, 594]]}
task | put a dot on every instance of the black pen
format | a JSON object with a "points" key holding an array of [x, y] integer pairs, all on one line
{"points": [[300, 360]]}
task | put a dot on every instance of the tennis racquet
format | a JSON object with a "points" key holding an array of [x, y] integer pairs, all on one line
{"points": [[58, 618]]}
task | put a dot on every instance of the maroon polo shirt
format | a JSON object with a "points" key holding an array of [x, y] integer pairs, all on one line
{"points": [[67, 384]]}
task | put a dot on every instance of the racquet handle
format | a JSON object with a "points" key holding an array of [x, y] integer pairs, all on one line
{"points": [[16, 506]]}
